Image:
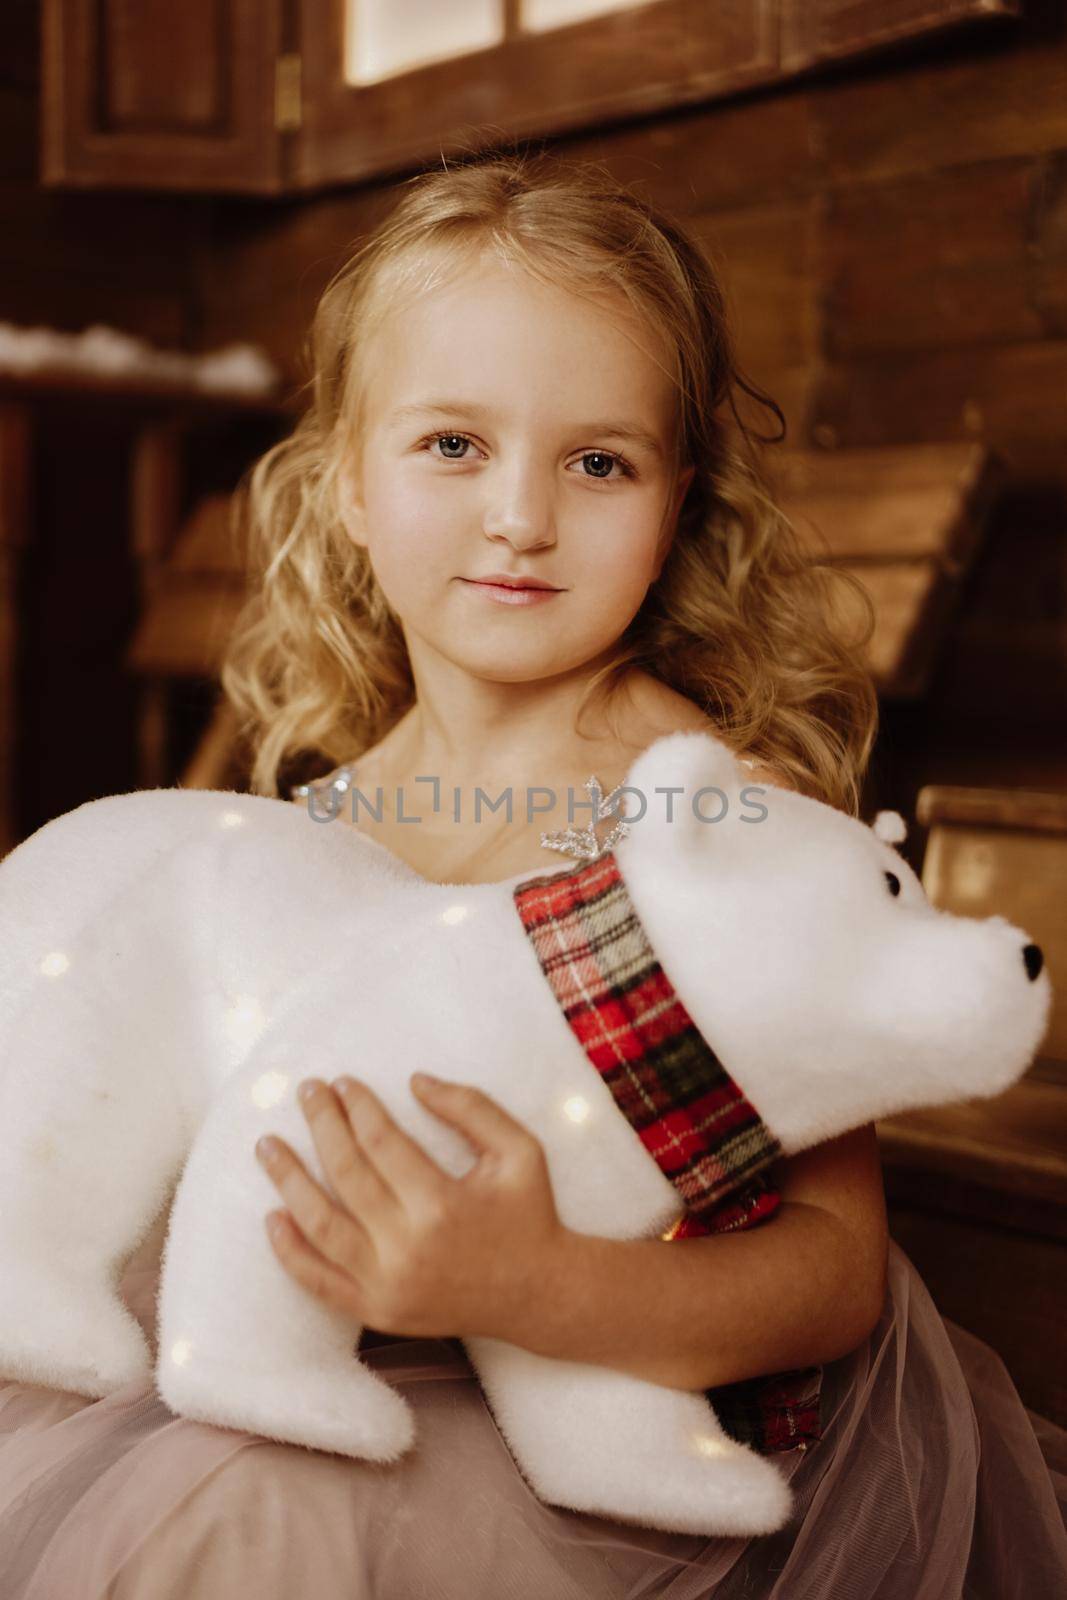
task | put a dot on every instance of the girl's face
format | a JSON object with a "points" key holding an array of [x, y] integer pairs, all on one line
{"points": [[512, 428]]}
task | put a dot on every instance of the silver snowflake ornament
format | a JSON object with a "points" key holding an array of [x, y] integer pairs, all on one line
{"points": [[583, 843]]}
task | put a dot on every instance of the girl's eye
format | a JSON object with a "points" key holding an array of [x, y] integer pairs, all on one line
{"points": [[453, 448], [451, 441], [606, 459]]}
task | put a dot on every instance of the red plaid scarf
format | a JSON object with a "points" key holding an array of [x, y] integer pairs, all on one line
{"points": [[691, 1116]]}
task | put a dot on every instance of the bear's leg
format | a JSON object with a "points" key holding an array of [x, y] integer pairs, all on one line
{"points": [[240, 1343], [88, 1160], [596, 1440]]}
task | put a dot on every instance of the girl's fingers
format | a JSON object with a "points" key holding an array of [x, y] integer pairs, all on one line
{"points": [[311, 1270], [334, 1234], [402, 1162], [358, 1182]]}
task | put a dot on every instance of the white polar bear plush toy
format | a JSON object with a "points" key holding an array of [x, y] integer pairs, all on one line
{"points": [[173, 962]]}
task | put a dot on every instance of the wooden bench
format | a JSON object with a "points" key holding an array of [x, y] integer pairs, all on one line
{"points": [[977, 1193], [907, 521]]}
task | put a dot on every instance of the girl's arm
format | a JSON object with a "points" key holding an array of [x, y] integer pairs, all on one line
{"points": [[800, 1289]]}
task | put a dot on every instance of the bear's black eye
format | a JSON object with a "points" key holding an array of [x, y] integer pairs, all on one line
{"points": [[893, 882]]}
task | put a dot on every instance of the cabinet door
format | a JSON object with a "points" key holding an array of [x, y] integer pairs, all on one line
{"points": [[156, 94]]}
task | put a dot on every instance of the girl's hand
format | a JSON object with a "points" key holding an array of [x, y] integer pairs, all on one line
{"points": [[411, 1250]]}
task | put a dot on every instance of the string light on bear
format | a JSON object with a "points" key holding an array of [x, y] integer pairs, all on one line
{"points": [[706, 1444], [245, 1021], [268, 1090]]}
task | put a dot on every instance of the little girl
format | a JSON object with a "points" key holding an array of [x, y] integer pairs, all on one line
{"points": [[521, 533]]}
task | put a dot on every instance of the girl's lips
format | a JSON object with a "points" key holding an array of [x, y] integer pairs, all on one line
{"points": [[510, 597]]}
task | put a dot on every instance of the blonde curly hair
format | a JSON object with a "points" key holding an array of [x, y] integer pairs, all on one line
{"points": [[740, 617]]}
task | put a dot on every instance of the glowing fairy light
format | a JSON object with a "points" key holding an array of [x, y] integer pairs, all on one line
{"points": [[269, 1089], [245, 1021], [706, 1444]]}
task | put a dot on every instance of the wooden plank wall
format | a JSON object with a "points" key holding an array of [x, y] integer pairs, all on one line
{"points": [[894, 237]]}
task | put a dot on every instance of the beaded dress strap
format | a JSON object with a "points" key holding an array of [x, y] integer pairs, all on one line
{"points": [[340, 779], [342, 776]]}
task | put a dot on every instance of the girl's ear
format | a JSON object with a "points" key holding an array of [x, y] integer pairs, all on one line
{"points": [[680, 492], [350, 506], [680, 489]]}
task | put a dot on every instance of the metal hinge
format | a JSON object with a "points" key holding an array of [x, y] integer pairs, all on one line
{"points": [[287, 105]]}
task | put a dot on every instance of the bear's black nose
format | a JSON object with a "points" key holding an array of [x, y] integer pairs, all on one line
{"points": [[1033, 960]]}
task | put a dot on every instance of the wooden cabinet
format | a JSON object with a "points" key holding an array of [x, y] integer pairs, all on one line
{"points": [[144, 94], [258, 97]]}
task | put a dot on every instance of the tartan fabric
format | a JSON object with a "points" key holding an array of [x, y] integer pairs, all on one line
{"points": [[672, 1088], [780, 1411]]}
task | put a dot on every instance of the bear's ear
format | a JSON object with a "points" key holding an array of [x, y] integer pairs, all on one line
{"points": [[890, 827], [689, 761]]}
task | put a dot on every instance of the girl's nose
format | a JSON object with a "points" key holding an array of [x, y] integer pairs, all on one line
{"points": [[519, 509], [523, 531], [522, 540]]}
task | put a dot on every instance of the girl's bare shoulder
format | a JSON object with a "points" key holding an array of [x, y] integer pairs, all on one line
{"points": [[660, 710]]}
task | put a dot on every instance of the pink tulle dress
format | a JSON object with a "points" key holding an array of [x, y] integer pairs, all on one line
{"points": [[931, 1481]]}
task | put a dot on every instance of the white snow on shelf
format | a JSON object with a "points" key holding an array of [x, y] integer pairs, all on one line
{"points": [[108, 353]]}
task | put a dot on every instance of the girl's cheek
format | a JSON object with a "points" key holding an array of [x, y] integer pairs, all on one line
{"points": [[625, 552]]}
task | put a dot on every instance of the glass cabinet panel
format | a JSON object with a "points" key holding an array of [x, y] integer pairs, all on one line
{"points": [[387, 37], [537, 15]]}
